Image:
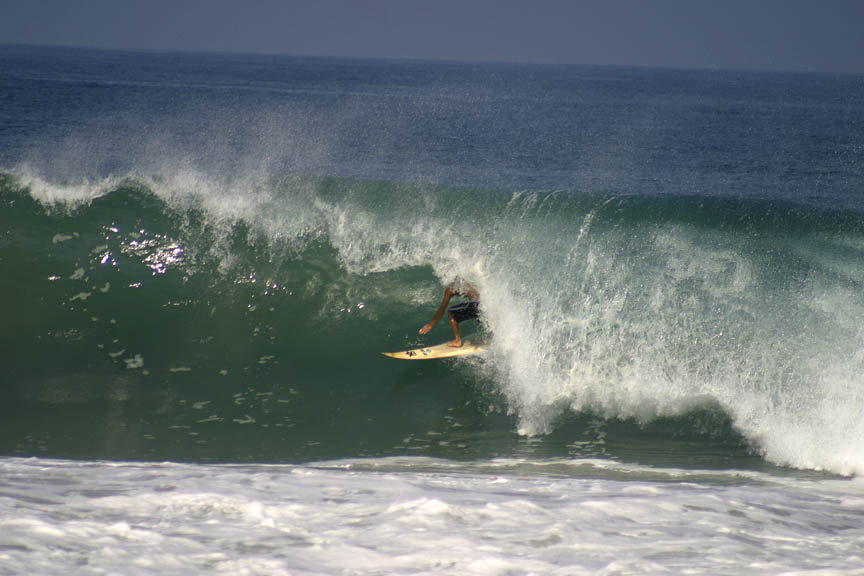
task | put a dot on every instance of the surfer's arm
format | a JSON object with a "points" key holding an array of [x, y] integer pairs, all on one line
{"points": [[448, 293]]}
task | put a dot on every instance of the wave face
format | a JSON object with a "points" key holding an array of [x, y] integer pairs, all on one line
{"points": [[269, 309], [203, 268]]}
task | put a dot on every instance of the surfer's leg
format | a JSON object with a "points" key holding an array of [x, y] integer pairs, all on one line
{"points": [[457, 338]]}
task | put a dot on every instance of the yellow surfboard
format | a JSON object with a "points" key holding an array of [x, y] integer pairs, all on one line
{"points": [[440, 351]]}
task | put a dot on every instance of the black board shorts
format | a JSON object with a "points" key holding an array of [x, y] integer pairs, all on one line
{"points": [[465, 311]]}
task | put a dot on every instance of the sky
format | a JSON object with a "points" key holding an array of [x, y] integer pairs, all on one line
{"points": [[801, 35]]}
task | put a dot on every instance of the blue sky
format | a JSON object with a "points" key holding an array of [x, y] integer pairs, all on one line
{"points": [[756, 34]]}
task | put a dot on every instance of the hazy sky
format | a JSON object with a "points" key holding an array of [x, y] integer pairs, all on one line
{"points": [[826, 35]]}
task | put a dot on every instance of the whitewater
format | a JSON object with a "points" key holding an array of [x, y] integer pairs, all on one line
{"points": [[206, 254], [422, 516]]}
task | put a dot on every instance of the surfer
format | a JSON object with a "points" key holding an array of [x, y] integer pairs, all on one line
{"points": [[457, 313]]}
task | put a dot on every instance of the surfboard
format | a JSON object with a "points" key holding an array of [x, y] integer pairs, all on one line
{"points": [[440, 351]]}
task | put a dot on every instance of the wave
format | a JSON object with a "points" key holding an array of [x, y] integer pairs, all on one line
{"points": [[627, 307]]}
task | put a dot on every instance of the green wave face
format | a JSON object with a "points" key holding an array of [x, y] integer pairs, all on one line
{"points": [[151, 318]]}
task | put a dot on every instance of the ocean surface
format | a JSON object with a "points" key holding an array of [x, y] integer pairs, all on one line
{"points": [[203, 256]]}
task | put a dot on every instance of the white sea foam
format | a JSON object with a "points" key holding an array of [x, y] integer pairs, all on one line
{"points": [[421, 516]]}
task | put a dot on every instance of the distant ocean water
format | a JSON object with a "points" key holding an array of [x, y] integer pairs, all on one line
{"points": [[204, 255]]}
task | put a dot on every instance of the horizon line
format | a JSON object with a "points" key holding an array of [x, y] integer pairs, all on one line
{"points": [[459, 61]]}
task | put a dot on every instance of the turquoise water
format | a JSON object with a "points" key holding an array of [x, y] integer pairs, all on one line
{"points": [[204, 256]]}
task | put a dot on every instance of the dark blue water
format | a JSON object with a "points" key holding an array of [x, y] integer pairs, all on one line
{"points": [[204, 255], [755, 135]]}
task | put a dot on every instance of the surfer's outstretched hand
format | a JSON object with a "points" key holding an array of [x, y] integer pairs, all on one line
{"points": [[426, 328]]}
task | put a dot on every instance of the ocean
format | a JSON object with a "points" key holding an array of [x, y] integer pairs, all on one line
{"points": [[203, 256]]}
